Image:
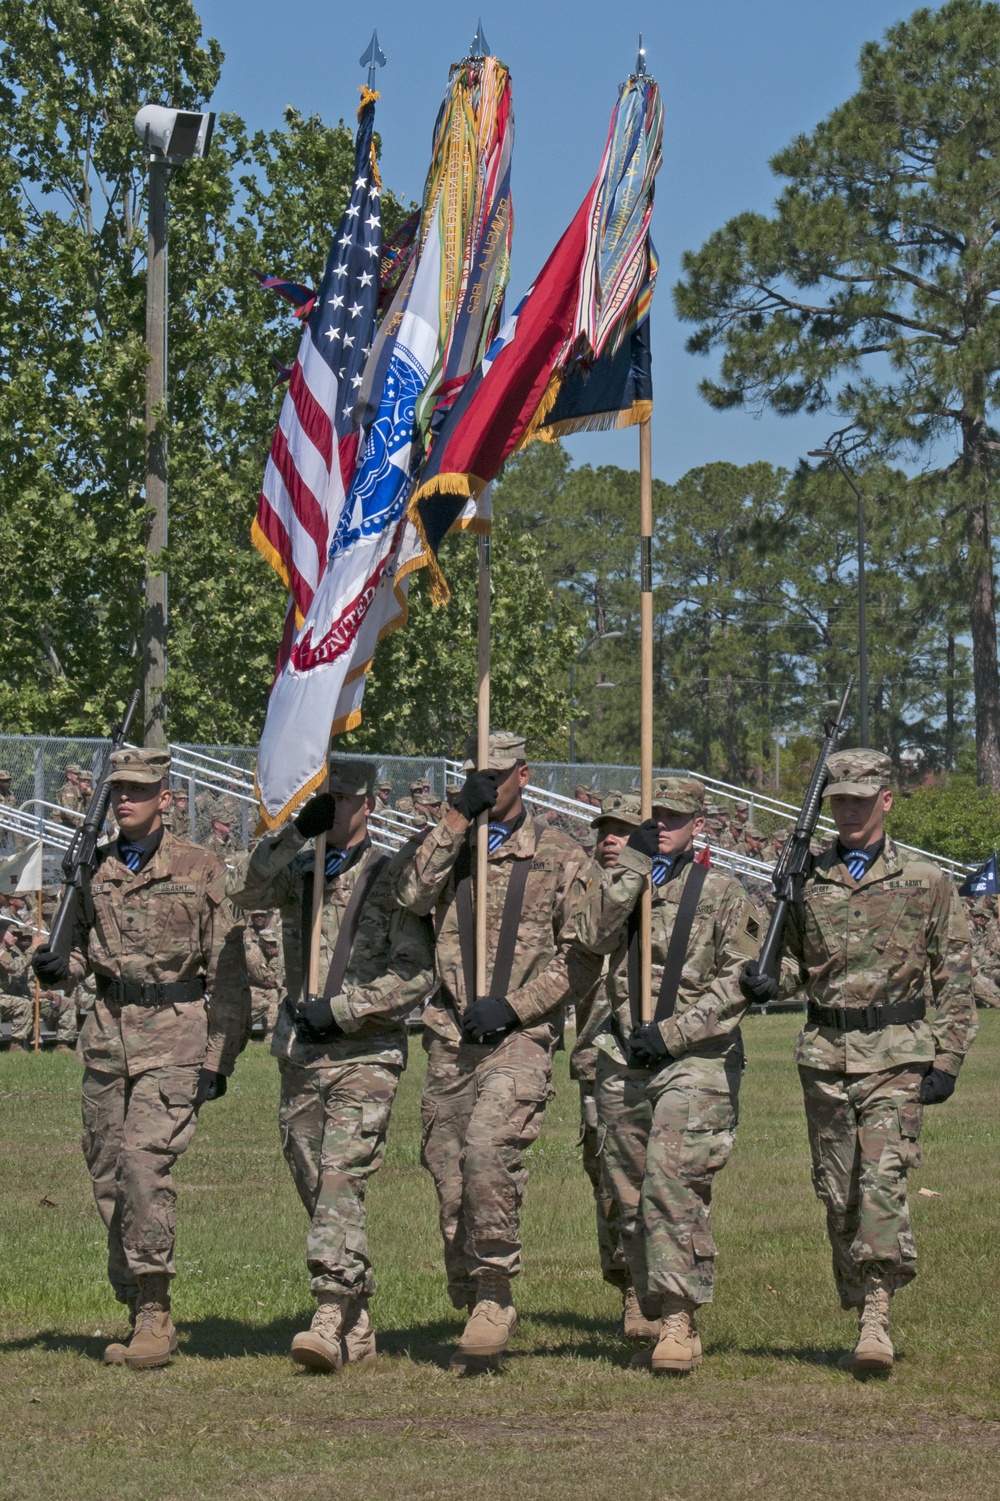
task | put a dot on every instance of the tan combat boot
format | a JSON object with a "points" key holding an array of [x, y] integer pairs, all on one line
{"points": [[490, 1324], [154, 1339], [359, 1336], [873, 1351], [319, 1347], [114, 1354], [635, 1325], [679, 1345]]}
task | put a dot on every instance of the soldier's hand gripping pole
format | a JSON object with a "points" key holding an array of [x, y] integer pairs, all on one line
{"points": [[80, 859], [793, 865]]}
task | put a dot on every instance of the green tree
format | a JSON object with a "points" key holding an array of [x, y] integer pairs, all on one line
{"points": [[72, 365], [957, 819], [872, 288]]}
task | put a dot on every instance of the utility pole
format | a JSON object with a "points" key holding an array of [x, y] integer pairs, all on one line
{"points": [[155, 616], [169, 136]]}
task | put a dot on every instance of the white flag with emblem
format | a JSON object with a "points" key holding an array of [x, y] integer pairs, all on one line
{"points": [[23, 872]]}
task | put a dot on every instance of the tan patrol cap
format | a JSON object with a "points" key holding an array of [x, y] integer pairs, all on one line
{"points": [[351, 778], [741, 807], [74, 767], [4, 774], [506, 749], [679, 795], [421, 785], [857, 773], [146, 765], [751, 831], [383, 787], [620, 805]]}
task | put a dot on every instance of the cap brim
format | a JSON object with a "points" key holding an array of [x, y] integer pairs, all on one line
{"points": [[675, 808], [633, 823], [852, 789], [137, 776]]}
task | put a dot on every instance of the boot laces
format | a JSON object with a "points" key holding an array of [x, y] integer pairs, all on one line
{"points": [[327, 1320], [875, 1317], [676, 1326]]}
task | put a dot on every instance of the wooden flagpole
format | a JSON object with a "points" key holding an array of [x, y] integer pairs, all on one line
{"points": [[646, 704], [483, 760], [38, 986]]}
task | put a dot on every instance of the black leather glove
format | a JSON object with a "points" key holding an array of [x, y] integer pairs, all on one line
{"points": [[646, 839], [478, 794], [317, 815], [936, 1086], [211, 1086], [756, 988], [646, 1048], [485, 1017], [48, 966], [314, 1019]]}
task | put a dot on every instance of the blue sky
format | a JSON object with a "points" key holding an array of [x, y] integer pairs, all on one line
{"points": [[738, 82]]}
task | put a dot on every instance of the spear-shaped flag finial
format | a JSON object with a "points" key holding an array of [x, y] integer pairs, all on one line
{"points": [[640, 62], [372, 58], [480, 46]]}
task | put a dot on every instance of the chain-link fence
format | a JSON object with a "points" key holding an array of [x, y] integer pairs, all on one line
{"points": [[214, 797]]}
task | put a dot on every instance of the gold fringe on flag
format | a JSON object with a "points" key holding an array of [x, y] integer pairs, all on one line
{"points": [[270, 555], [548, 401], [597, 422]]}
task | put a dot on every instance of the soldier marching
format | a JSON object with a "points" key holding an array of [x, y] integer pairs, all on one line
{"points": [[881, 948]]}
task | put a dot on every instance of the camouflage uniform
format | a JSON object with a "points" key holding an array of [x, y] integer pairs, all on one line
{"points": [[70, 799], [266, 973], [226, 845], [336, 1096], [16, 981], [869, 943], [670, 1131], [592, 1014], [168, 923], [984, 970], [482, 1106], [17, 1001]]}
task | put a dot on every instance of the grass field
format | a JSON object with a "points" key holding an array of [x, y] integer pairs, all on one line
{"points": [[768, 1413]]}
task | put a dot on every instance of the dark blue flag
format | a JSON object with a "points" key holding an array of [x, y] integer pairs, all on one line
{"points": [[985, 881]]}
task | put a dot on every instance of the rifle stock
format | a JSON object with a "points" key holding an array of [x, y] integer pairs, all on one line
{"points": [[79, 860], [793, 863]]}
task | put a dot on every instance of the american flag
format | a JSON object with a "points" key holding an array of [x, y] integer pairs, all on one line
{"points": [[315, 445]]}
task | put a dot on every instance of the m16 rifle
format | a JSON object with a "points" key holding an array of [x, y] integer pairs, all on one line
{"points": [[793, 864], [81, 857]]}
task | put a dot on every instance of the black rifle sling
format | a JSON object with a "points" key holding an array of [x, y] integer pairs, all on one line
{"points": [[348, 931], [510, 922], [679, 939], [466, 936], [503, 959], [634, 1001]]}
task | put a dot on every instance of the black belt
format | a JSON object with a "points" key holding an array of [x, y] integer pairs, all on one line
{"points": [[149, 992], [866, 1018]]}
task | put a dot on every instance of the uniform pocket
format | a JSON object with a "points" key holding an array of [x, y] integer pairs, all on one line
{"points": [[703, 1245], [911, 1118], [531, 1085]]}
